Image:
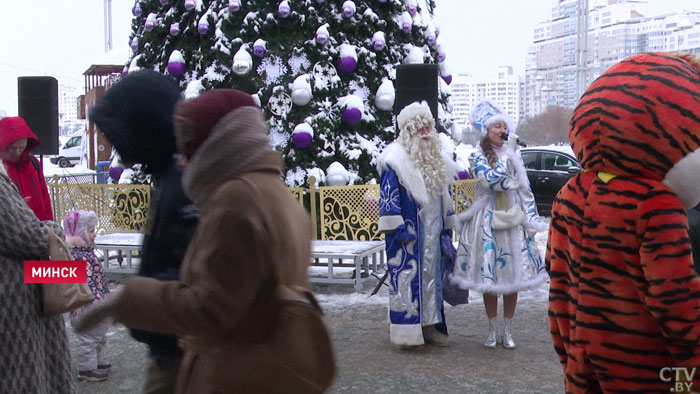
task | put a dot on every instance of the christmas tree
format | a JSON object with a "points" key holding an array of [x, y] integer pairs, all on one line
{"points": [[321, 70]]}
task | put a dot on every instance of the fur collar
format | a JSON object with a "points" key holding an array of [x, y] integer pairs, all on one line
{"points": [[76, 242], [2, 169], [410, 177]]}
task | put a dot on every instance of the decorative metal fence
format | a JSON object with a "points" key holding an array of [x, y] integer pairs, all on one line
{"points": [[338, 212]]}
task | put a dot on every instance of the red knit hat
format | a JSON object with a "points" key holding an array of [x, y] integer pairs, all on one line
{"points": [[196, 117]]}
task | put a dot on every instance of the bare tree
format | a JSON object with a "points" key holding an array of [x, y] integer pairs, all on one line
{"points": [[549, 127]]}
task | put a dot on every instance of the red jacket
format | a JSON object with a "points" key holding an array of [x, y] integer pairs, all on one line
{"points": [[28, 178]]}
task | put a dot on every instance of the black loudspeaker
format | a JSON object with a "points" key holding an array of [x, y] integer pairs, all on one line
{"points": [[416, 82], [37, 104]]}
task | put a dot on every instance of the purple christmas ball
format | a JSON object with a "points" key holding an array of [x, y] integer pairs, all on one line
{"points": [[203, 28], [174, 29], [149, 25], [378, 45], [431, 40], [134, 44], [406, 27], [234, 6], [348, 12], [284, 11], [136, 10], [320, 1], [301, 140], [322, 39], [190, 4], [351, 116], [259, 50], [382, 1], [115, 173], [447, 79], [176, 69], [125, 71], [164, 2], [437, 31], [347, 64], [412, 10], [440, 57], [463, 175]]}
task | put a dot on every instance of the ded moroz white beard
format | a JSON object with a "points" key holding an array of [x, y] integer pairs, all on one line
{"points": [[425, 153]]}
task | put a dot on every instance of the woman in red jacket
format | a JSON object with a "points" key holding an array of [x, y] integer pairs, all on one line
{"points": [[16, 143]]}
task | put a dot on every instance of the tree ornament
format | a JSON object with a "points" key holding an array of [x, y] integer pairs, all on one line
{"points": [[320, 1], [125, 71], [280, 103], [415, 56], [412, 7], [234, 6], [164, 2], [259, 47], [437, 31], [256, 98], [382, 1], [386, 95], [322, 34], [136, 10], [242, 61], [354, 107], [462, 175], [115, 173], [283, 9], [176, 64], [324, 75], [348, 58], [303, 135], [174, 29], [203, 25], [440, 57], [150, 22], [406, 22], [190, 4], [337, 175], [348, 9], [378, 41], [445, 73], [430, 36], [301, 90], [134, 44]]}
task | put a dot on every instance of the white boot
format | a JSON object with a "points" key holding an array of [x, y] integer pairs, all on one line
{"points": [[492, 339], [508, 342]]}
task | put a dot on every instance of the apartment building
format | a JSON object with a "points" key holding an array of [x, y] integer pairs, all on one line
{"points": [[503, 88], [67, 103], [561, 62]]}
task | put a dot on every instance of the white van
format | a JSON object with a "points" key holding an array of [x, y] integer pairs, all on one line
{"points": [[69, 153]]}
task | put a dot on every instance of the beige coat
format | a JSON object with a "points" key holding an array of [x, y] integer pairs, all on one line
{"points": [[236, 333]]}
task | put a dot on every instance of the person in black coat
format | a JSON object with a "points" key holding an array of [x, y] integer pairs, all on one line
{"points": [[136, 116]]}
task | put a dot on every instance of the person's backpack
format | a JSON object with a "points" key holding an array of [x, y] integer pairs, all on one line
{"points": [[35, 163]]}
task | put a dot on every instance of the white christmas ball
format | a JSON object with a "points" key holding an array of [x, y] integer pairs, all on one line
{"points": [[386, 95], [242, 61], [337, 175], [301, 90]]}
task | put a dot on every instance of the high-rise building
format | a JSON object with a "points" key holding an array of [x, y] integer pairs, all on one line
{"points": [[67, 103], [503, 88], [561, 62]]}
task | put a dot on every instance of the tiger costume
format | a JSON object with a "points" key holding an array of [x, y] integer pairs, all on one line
{"points": [[624, 300]]}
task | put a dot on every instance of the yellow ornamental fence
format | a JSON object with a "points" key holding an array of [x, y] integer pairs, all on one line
{"points": [[338, 212]]}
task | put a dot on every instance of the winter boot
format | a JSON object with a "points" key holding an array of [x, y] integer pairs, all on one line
{"points": [[508, 342], [493, 337], [432, 336]]}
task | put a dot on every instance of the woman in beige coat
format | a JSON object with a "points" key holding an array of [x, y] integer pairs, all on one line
{"points": [[242, 308]]}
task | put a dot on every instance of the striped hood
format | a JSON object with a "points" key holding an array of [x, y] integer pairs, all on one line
{"points": [[641, 118]]}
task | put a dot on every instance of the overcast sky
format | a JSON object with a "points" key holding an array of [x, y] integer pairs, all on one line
{"points": [[62, 38]]}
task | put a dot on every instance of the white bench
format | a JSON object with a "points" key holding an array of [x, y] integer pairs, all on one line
{"points": [[128, 242], [358, 252]]}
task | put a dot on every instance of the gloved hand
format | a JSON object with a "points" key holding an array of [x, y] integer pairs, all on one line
{"points": [[93, 314], [512, 141], [402, 235]]}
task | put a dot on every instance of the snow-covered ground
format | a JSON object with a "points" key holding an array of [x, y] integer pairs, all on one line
{"points": [[51, 169]]}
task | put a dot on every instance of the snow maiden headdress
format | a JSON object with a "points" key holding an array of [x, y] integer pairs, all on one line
{"points": [[486, 112]]}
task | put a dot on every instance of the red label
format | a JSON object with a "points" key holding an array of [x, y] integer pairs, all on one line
{"points": [[55, 271]]}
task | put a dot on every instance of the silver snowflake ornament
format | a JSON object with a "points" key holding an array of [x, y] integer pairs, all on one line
{"points": [[280, 104], [324, 74]]}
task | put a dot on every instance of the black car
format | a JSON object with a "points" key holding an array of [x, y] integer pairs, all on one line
{"points": [[548, 169]]}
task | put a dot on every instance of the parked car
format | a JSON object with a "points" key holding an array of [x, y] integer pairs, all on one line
{"points": [[69, 153], [548, 169]]}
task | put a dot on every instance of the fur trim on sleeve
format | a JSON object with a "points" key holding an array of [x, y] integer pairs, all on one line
{"points": [[2, 168]]}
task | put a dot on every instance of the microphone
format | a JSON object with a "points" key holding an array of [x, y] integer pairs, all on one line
{"points": [[504, 137]]}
